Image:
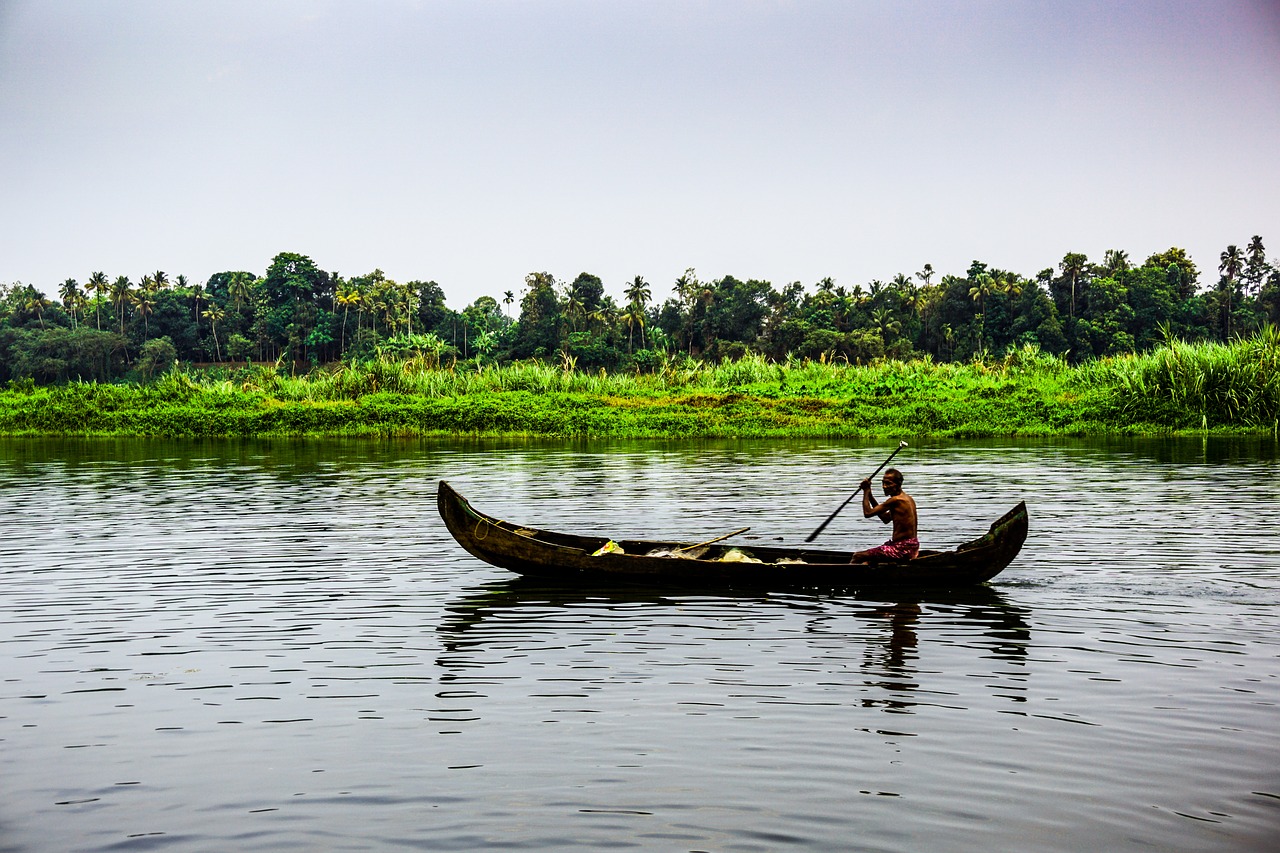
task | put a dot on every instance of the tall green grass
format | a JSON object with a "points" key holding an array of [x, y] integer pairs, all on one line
{"points": [[1188, 385], [753, 372], [1177, 387]]}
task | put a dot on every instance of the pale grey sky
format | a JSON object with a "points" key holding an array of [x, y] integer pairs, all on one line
{"points": [[475, 142]]}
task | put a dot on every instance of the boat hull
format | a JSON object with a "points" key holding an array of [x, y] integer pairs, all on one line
{"points": [[566, 557]]}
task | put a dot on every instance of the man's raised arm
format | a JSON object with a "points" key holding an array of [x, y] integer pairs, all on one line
{"points": [[870, 506]]}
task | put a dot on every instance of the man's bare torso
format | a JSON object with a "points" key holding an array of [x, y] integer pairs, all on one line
{"points": [[902, 510]]}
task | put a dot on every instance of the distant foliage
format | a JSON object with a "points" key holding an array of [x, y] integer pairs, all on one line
{"points": [[296, 318]]}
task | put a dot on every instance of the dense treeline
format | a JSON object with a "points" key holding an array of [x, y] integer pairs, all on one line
{"points": [[299, 316]]}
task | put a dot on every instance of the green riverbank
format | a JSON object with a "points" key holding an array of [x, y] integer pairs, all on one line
{"points": [[1178, 388], [525, 413]]}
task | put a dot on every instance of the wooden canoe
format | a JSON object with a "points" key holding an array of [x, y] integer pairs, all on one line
{"points": [[567, 557]]}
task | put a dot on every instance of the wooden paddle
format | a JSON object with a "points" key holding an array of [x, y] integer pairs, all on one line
{"points": [[831, 518], [709, 541]]}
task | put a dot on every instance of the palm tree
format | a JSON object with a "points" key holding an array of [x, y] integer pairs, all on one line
{"points": [[841, 310], [215, 315], [609, 314], [37, 302], [859, 295], [411, 301], [1072, 266], [602, 316], [160, 279], [346, 297], [358, 298], [197, 294], [376, 288], [687, 287], [370, 304], [886, 323], [918, 301], [507, 298], [145, 301], [238, 289], [80, 302], [120, 290], [385, 307], [574, 309], [99, 285], [1256, 266], [69, 291], [925, 274], [1115, 261], [983, 286], [1232, 261], [638, 292], [638, 295], [823, 297], [633, 317]]}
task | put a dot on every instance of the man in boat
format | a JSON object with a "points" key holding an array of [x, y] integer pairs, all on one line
{"points": [[898, 507]]}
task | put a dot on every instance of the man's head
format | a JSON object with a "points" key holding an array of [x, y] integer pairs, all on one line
{"points": [[892, 482]]}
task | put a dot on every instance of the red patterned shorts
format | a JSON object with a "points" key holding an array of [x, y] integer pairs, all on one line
{"points": [[905, 549]]}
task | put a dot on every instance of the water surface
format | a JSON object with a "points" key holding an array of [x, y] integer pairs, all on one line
{"points": [[274, 645]]}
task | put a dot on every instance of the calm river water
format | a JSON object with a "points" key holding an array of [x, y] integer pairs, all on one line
{"points": [[275, 645]]}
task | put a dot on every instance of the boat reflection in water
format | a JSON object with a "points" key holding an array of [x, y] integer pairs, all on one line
{"points": [[858, 649]]}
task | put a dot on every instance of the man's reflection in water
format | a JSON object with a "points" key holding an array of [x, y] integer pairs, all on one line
{"points": [[890, 651], [890, 659]]}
